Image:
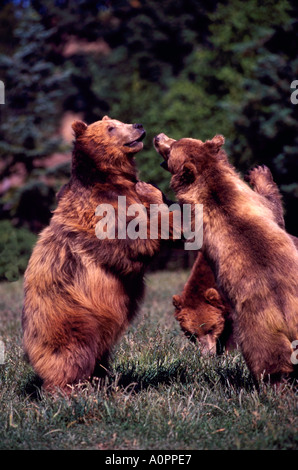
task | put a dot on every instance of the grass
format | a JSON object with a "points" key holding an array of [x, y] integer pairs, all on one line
{"points": [[160, 394]]}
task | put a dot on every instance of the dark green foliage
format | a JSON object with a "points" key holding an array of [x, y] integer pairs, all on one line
{"points": [[186, 68], [203, 91], [15, 249], [8, 22], [159, 37], [33, 88], [29, 120], [267, 121]]}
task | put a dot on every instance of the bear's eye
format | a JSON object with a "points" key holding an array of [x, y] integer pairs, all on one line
{"points": [[110, 129]]}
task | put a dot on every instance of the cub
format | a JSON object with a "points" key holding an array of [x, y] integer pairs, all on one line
{"points": [[82, 290], [255, 262], [201, 311]]}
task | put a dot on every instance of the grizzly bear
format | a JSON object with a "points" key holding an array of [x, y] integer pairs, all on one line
{"points": [[203, 314], [201, 311], [254, 261], [82, 290]]}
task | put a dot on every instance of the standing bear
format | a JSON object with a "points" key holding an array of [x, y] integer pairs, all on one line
{"points": [[203, 314], [81, 290], [255, 262]]}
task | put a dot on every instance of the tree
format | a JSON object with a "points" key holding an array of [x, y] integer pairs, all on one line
{"points": [[267, 121], [33, 91], [186, 68]]}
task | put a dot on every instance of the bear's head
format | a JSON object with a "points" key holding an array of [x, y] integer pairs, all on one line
{"points": [[108, 143], [186, 158], [203, 322]]}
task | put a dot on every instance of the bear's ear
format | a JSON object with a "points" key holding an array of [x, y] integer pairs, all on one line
{"points": [[79, 127], [212, 296], [216, 143], [177, 301], [106, 118], [188, 173]]}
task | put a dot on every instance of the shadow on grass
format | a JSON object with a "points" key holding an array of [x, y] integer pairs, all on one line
{"points": [[211, 373], [234, 377], [32, 388]]}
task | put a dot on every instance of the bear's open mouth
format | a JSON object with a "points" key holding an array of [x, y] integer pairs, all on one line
{"points": [[164, 165], [135, 142]]}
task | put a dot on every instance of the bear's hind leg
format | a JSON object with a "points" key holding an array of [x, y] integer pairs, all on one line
{"points": [[66, 367]]}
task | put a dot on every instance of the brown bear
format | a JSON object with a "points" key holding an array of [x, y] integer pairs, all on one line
{"points": [[201, 311], [203, 314], [82, 290], [255, 262]]}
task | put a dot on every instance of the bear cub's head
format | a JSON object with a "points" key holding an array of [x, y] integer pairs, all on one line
{"points": [[202, 321]]}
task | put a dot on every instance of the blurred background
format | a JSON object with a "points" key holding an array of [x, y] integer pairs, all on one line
{"points": [[187, 68]]}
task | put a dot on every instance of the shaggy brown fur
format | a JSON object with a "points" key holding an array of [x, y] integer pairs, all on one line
{"points": [[200, 309], [82, 292], [261, 180], [255, 261]]}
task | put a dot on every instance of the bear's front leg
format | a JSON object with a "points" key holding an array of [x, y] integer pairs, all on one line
{"points": [[148, 193]]}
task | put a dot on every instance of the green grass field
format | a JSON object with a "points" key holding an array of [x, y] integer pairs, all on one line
{"points": [[160, 393]]}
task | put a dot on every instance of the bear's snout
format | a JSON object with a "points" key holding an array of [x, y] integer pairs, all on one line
{"points": [[159, 138], [162, 144], [137, 126]]}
